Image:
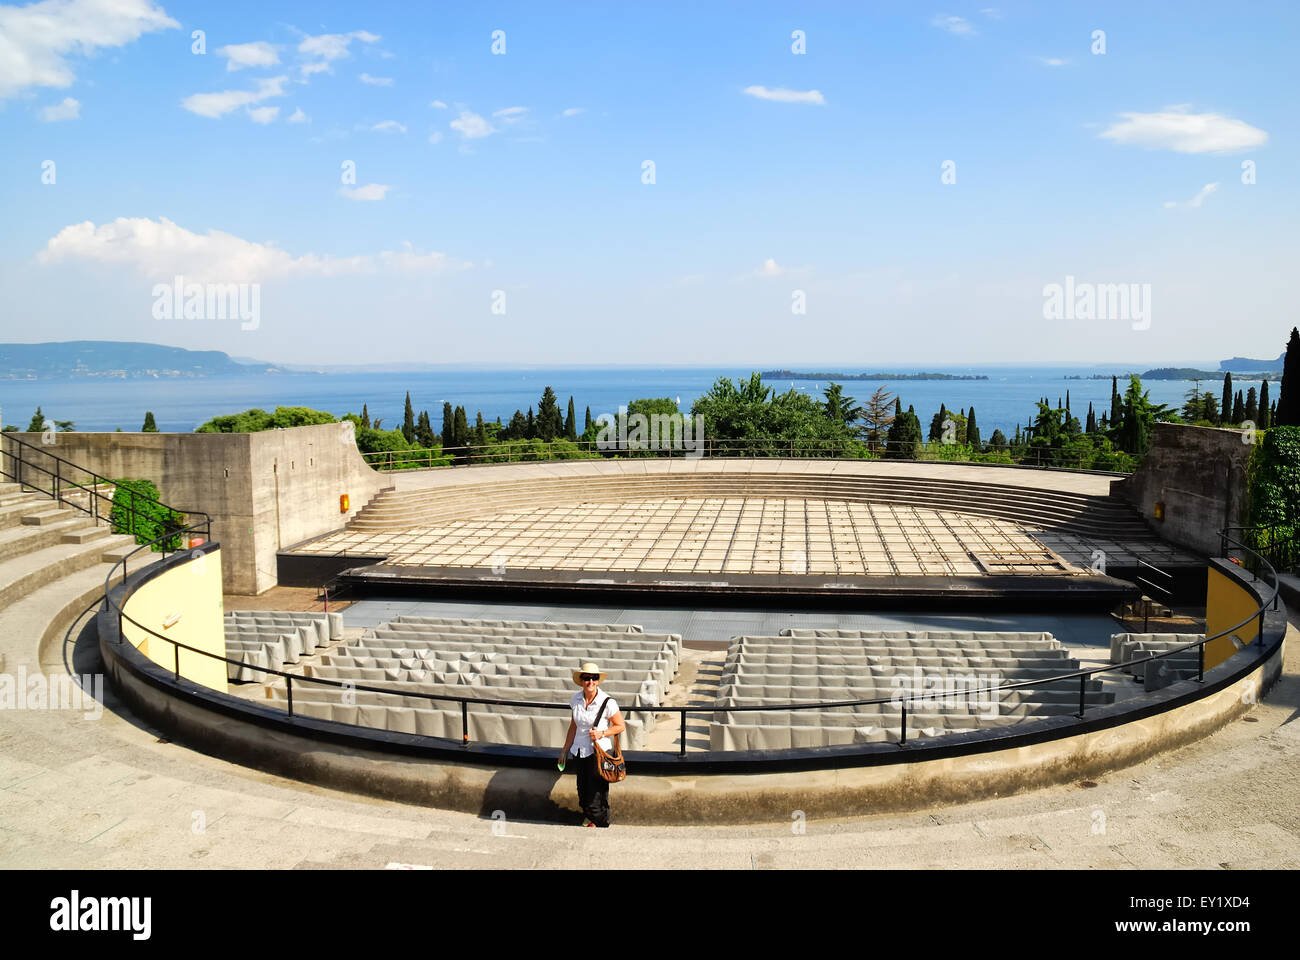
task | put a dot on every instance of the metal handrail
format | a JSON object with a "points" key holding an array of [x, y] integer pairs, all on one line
{"points": [[898, 697], [57, 490]]}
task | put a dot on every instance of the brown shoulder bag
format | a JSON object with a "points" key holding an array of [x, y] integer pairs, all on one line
{"points": [[610, 766]]}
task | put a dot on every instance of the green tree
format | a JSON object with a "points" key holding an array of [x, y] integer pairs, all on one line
{"points": [[365, 417], [571, 423], [549, 425], [877, 416], [424, 434], [972, 431], [150, 426], [448, 425], [587, 423], [408, 420], [1263, 406], [903, 441], [1288, 398], [1238, 409], [999, 440], [1225, 405], [1136, 420], [1115, 403], [839, 408], [936, 424], [38, 422]]}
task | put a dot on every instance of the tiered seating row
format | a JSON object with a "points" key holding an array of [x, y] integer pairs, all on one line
{"points": [[269, 639], [498, 659], [953, 667], [1166, 670]]}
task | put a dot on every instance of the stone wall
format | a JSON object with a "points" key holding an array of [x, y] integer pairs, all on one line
{"points": [[263, 490], [1199, 474]]}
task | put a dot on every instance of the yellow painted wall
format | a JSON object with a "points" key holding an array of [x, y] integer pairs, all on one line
{"points": [[1227, 603], [192, 590]]}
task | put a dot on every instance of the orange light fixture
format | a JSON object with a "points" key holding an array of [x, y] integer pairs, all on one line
{"points": [[345, 503]]}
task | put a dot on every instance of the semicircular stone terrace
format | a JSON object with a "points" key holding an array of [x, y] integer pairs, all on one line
{"points": [[751, 516]]}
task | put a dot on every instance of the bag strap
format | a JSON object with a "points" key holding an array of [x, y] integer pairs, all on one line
{"points": [[613, 742]]}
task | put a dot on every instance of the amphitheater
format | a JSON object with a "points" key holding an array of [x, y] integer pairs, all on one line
{"points": [[853, 642]]}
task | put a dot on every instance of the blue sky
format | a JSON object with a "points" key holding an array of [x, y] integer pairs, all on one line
{"points": [[775, 173]]}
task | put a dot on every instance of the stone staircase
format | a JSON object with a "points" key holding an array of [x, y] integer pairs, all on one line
{"points": [[53, 563]]}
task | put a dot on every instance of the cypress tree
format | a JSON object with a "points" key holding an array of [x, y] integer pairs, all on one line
{"points": [[1252, 407], [571, 423], [532, 425], [448, 425], [936, 424], [1116, 407], [480, 430], [365, 417], [1287, 413], [586, 425], [1238, 409], [461, 427], [149, 425], [1225, 405], [1263, 406], [1092, 420], [424, 430], [972, 431], [1067, 401], [408, 420]]}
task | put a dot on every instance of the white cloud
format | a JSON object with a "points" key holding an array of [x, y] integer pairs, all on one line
{"points": [[510, 114], [371, 191], [572, 112], [438, 104], [389, 126], [161, 249], [993, 13], [333, 46], [471, 126], [36, 39], [256, 54], [781, 95], [219, 104], [1185, 132], [1053, 61], [376, 81], [308, 69], [771, 269], [264, 114], [435, 137], [299, 117], [1197, 200], [69, 109], [957, 25]]}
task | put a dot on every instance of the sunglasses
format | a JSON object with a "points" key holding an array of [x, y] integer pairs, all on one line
{"points": [[589, 676]]}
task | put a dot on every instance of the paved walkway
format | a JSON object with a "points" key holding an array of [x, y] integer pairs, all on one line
{"points": [[79, 791]]}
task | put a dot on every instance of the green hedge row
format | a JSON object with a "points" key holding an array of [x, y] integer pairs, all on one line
{"points": [[136, 511]]}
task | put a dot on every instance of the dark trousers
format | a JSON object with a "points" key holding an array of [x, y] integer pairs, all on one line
{"points": [[593, 790]]}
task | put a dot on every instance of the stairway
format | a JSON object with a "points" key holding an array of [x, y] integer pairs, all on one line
{"points": [[53, 563]]}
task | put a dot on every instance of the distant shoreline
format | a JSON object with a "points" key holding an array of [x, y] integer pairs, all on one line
{"points": [[794, 375]]}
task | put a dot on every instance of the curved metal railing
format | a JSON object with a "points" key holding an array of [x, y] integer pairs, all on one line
{"points": [[902, 698]]}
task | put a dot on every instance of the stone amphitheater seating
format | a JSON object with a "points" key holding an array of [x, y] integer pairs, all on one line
{"points": [[1089, 515], [815, 666], [500, 659], [1156, 674], [271, 638]]}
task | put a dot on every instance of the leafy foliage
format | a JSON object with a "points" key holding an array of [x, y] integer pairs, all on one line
{"points": [[136, 511]]}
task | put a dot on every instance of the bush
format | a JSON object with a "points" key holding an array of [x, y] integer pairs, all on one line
{"points": [[136, 511]]}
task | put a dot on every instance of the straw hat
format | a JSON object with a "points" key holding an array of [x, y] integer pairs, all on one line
{"points": [[588, 668]]}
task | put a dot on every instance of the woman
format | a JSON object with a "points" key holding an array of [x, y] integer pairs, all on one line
{"points": [[591, 707]]}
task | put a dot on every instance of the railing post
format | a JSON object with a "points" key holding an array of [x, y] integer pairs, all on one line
{"points": [[288, 684], [1200, 663], [58, 481], [176, 649], [682, 752], [902, 735], [1260, 634], [464, 722], [1083, 686]]}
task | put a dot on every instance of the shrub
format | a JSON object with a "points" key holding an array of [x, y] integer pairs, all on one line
{"points": [[136, 511]]}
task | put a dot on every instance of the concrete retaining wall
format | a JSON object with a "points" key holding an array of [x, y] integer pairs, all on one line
{"points": [[264, 491], [1199, 474]]}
